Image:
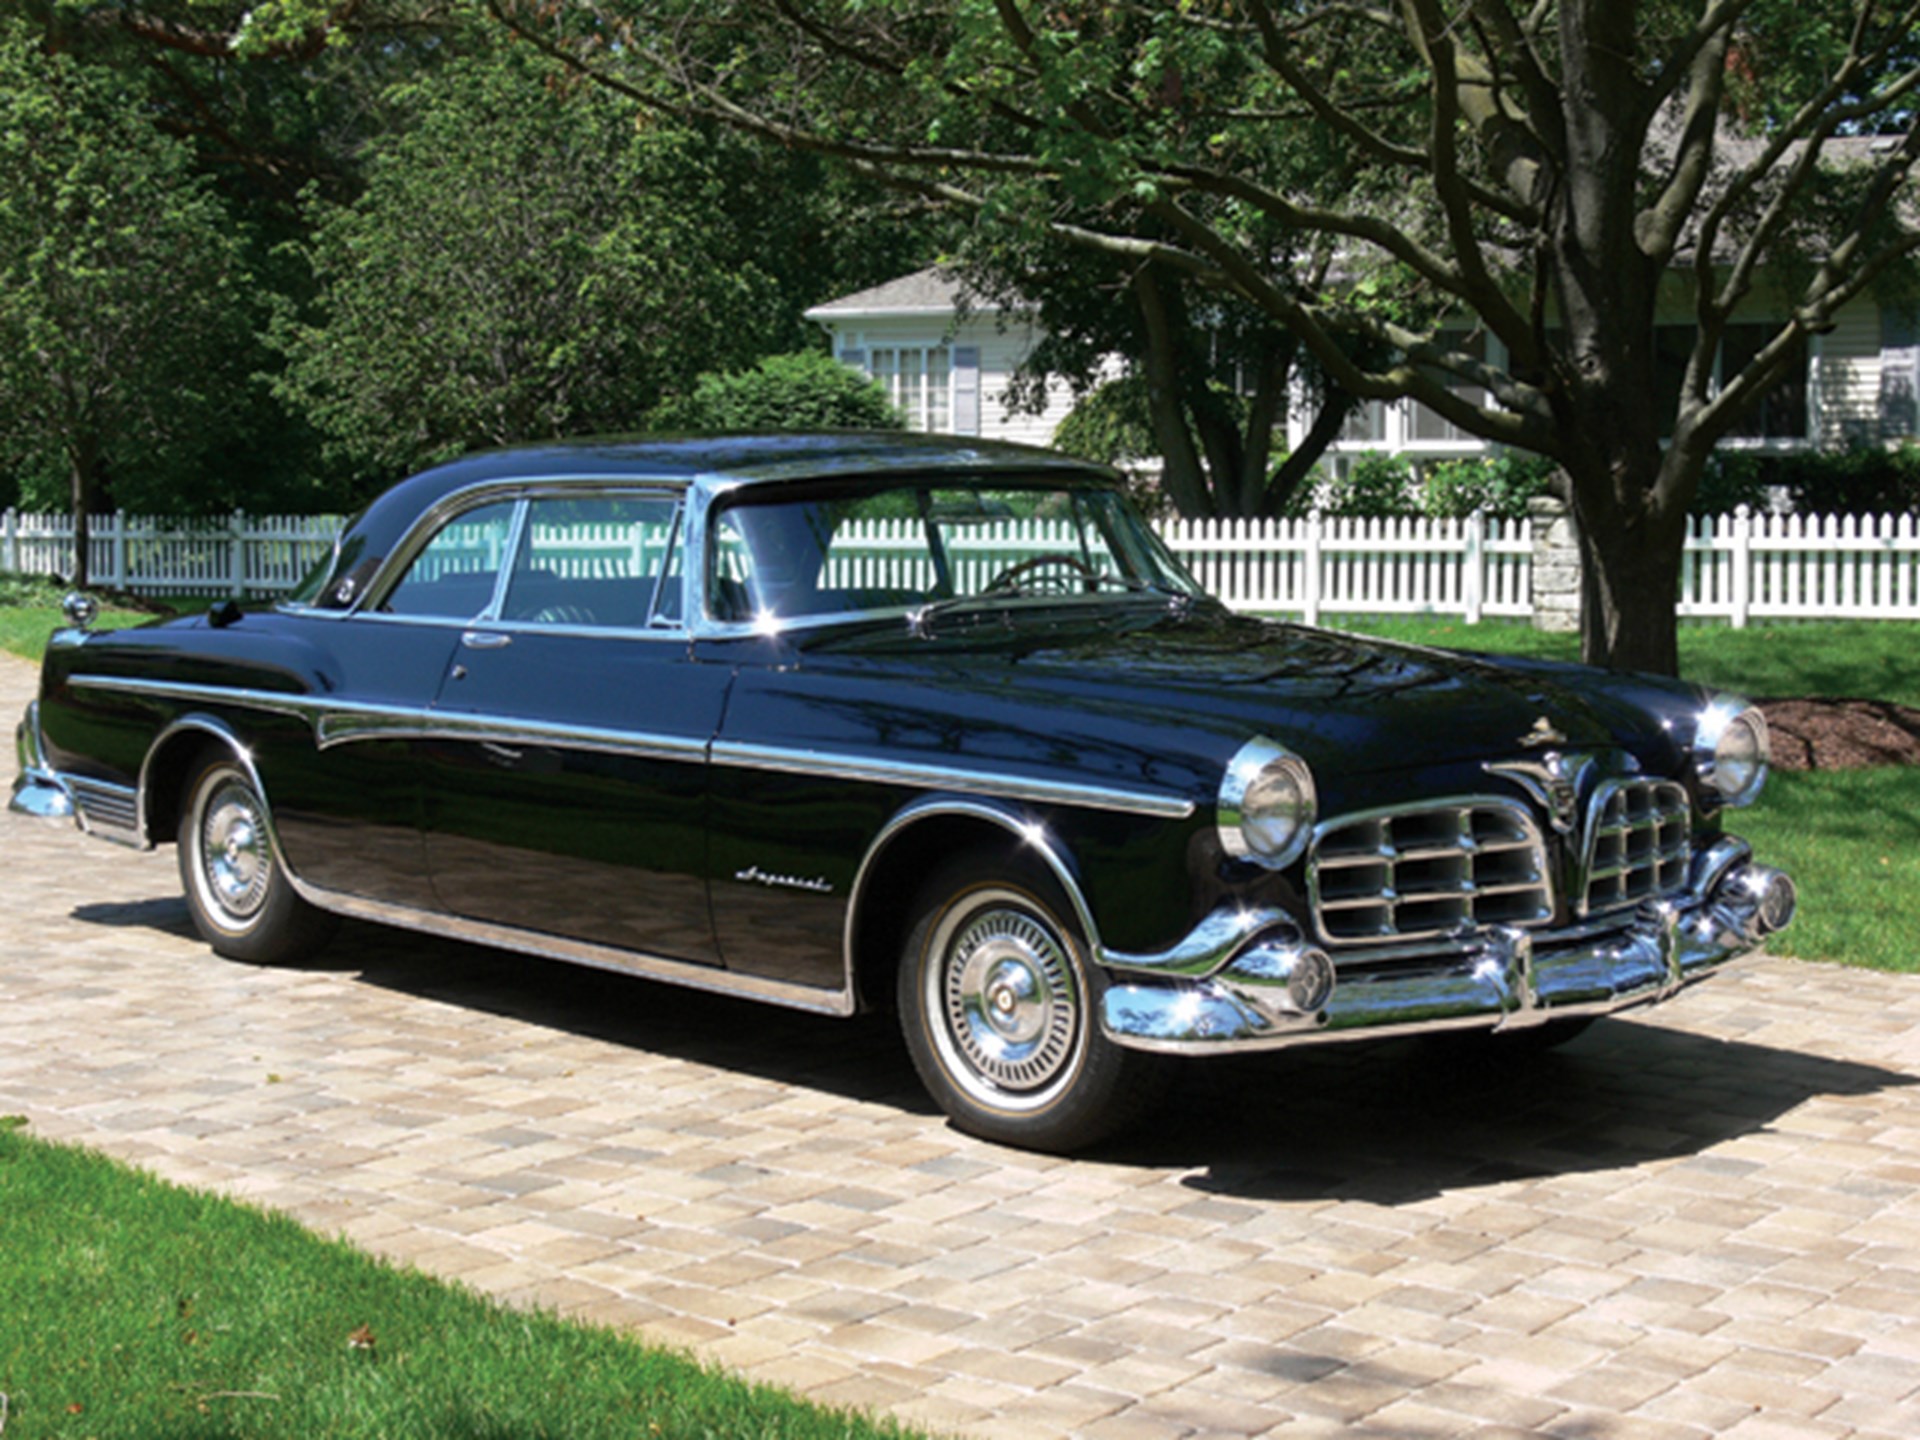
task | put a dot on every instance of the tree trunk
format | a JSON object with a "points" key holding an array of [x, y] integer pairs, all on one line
{"points": [[1327, 425], [81, 465], [1627, 593], [1181, 474]]}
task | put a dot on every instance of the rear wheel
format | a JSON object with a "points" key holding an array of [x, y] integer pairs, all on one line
{"points": [[1001, 1012], [239, 896]]}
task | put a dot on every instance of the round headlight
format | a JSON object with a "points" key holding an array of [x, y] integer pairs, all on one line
{"points": [[1731, 751], [1267, 805]]}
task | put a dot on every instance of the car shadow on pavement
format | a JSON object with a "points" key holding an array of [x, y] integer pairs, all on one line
{"points": [[1390, 1122], [1397, 1122]]}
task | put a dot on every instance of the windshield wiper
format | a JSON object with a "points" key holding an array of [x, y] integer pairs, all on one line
{"points": [[920, 620]]}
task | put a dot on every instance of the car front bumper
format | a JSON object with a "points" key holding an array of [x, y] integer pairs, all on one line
{"points": [[1271, 989]]}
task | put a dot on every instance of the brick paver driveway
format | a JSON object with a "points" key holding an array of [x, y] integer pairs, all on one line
{"points": [[1703, 1221]]}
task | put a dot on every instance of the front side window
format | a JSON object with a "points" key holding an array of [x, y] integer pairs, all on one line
{"points": [[835, 552], [595, 561]]}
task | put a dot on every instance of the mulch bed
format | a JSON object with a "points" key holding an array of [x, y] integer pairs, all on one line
{"points": [[1842, 734]]}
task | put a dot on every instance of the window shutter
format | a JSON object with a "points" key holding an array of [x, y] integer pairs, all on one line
{"points": [[1899, 370], [966, 389]]}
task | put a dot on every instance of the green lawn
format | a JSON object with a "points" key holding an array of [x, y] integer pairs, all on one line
{"points": [[30, 612], [132, 1308], [1830, 659]]}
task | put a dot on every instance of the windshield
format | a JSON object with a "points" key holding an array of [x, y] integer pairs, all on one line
{"points": [[780, 555]]}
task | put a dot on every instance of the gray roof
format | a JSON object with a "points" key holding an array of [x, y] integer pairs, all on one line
{"points": [[933, 291]]}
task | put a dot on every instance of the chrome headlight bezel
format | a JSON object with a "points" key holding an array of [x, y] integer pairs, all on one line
{"points": [[1732, 753], [1267, 805]]}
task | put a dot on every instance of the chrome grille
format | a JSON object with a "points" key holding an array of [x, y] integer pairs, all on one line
{"points": [[1408, 874], [1639, 842]]}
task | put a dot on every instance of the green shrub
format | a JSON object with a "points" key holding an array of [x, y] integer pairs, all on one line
{"points": [[1862, 479], [801, 391], [1376, 486], [1501, 485], [1109, 424]]}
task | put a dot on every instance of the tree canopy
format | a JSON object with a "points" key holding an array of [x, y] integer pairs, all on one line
{"points": [[124, 308], [1510, 197], [449, 242]]}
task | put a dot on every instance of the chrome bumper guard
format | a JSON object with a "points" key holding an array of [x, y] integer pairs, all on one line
{"points": [[36, 790], [1277, 988]]}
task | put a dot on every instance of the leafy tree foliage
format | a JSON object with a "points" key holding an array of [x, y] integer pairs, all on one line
{"points": [[124, 301], [527, 262], [1211, 380], [805, 390], [1510, 192]]}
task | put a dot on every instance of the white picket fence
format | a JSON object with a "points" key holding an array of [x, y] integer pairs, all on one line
{"points": [[1736, 568], [240, 555]]}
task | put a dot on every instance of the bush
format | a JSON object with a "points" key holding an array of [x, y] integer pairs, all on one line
{"points": [[1375, 486], [801, 391], [1862, 479], [1109, 424], [1501, 485]]}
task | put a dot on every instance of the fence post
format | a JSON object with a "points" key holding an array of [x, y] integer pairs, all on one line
{"points": [[11, 560], [237, 555], [1310, 565], [1742, 560], [1554, 569], [1476, 576]]}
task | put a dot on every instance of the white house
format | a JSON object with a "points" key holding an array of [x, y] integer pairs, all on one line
{"points": [[949, 375]]}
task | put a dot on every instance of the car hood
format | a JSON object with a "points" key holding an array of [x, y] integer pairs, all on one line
{"points": [[1339, 700]]}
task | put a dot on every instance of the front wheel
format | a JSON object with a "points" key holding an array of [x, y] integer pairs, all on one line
{"points": [[239, 896], [1001, 1012]]}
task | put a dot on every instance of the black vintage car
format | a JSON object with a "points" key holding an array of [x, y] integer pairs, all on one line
{"points": [[850, 721]]}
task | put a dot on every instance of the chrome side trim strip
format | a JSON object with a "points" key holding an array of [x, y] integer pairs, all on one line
{"points": [[277, 702], [579, 952], [337, 723], [920, 776]]}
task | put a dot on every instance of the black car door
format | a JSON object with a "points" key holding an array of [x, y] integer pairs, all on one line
{"points": [[565, 772]]}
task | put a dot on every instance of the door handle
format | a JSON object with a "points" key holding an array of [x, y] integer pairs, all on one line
{"points": [[485, 640]]}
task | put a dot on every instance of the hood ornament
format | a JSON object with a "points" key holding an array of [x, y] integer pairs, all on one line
{"points": [[1542, 733]]}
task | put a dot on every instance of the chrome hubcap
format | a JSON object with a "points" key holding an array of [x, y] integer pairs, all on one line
{"points": [[1010, 1001], [233, 851]]}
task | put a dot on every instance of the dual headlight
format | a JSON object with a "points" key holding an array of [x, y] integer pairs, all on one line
{"points": [[1267, 805], [1731, 750]]}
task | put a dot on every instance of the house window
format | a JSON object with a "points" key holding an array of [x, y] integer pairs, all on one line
{"points": [[1367, 423], [1429, 425], [916, 380], [1780, 413]]}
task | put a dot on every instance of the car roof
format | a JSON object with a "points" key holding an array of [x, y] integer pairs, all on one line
{"points": [[713, 462]]}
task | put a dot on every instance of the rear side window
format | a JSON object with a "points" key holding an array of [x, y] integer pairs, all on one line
{"points": [[454, 577]]}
